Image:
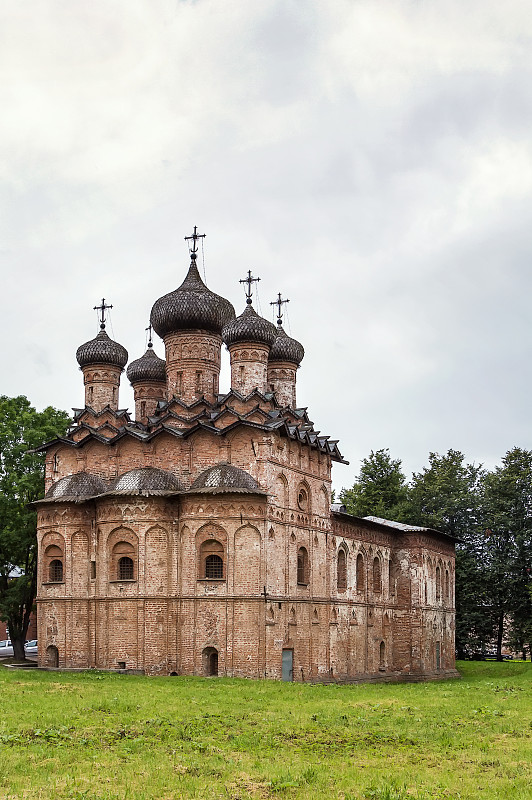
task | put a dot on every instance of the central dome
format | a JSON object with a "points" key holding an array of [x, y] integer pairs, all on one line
{"points": [[191, 307]]}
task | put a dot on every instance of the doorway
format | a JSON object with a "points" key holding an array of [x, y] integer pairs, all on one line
{"points": [[288, 665], [52, 656], [210, 662]]}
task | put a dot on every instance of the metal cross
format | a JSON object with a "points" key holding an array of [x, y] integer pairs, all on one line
{"points": [[250, 280], [279, 303], [150, 344], [102, 309], [195, 236]]}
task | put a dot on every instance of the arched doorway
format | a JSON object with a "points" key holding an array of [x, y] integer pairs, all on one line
{"points": [[210, 662], [52, 656]]}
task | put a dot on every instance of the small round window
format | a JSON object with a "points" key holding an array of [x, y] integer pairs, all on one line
{"points": [[302, 499]]}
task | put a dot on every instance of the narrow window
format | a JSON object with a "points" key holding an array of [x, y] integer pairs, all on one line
{"points": [[179, 383], [93, 570], [114, 394], [382, 657], [438, 585], [302, 566], [143, 408], [447, 591], [90, 394], [360, 573], [377, 580], [198, 381], [56, 571], [241, 376], [341, 570], [391, 576], [438, 655], [214, 567], [125, 569]]}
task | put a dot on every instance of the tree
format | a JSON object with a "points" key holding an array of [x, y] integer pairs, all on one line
{"points": [[446, 496], [380, 488], [507, 520], [22, 429]]}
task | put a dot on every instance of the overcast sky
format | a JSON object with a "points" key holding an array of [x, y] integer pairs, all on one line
{"points": [[370, 159]]}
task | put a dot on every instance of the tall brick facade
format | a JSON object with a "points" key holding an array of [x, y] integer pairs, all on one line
{"points": [[200, 539]]}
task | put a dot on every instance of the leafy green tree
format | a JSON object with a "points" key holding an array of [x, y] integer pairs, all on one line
{"points": [[380, 488], [22, 429], [507, 519], [446, 495]]}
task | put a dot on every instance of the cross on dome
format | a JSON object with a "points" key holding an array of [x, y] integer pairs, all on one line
{"points": [[250, 280], [279, 303], [194, 246], [102, 309], [149, 330]]}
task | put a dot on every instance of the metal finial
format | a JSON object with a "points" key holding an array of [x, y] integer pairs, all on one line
{"points": [[150, 344], [250, 280], [102, 309], [194, 246], [279, 303]]}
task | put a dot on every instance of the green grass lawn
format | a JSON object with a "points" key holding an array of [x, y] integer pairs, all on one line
{"points": [[99, 735]]}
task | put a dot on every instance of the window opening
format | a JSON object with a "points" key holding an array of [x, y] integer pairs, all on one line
{"points": [[360, 573], [302, 566], [214, 567], [438, 584], [93, 570], [377, 582], [56, 571], [125, 569], [382, 656], [341, 570]]}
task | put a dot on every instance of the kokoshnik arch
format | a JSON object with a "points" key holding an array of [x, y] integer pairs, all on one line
{"points": [[199, 537]]}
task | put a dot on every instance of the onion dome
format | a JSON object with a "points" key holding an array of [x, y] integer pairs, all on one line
{"points": [[146, 480], [147, 368], [286, 349], [249, 327], [76, 487], [191, 307], [225, 477], [102, 350]]}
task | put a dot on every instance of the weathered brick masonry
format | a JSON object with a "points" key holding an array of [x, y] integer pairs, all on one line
{"points": [[200, 539]]}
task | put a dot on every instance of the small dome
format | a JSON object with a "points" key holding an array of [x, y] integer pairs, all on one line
{"points": [[77, 486], [144, 480], [249, 327], [225, 476], [147, 368], [102, 350], [191, 307], [286, 349]]}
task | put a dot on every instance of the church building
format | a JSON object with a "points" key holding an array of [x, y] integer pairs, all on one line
{"points": [[198, 538]]}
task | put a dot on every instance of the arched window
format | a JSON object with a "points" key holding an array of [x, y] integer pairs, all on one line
{"points": [[438, 584], [53, 564], [377, 578], [123, 558], [125, 569], [212, 560], [214, 567], [361, 583], [382, 656], [303, 498], [341, 570], [56, 571], [302, 566], [447, 586]]}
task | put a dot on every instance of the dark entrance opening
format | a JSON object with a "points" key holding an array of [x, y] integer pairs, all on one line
{"points": [[52, 656], [210, 662]]}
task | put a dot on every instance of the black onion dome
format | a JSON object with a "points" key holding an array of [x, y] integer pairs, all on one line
{"points": [[143, 480], [147, 368], [102, 350], [191, 307], [76, 486], [225, 476], [249, 327], [286, 349]]}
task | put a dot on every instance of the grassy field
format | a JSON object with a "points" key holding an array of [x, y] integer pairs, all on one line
{"points": [[100, 736]]}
